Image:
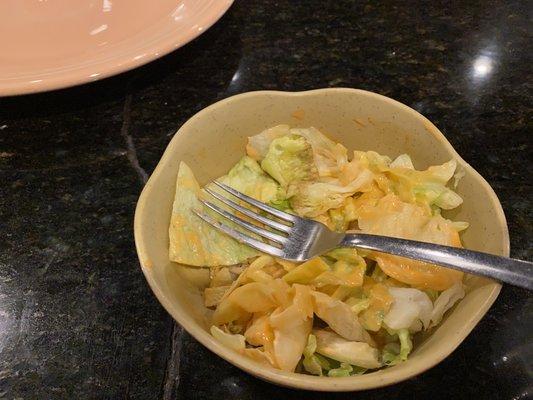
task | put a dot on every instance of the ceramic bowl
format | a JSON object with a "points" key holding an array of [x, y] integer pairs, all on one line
{"points": [[214, 139]]}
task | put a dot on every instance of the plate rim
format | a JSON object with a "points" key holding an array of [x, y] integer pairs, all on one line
{"points": [[79, 74]]}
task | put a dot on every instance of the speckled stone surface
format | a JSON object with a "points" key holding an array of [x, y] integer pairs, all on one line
{"points": [[78, 321]]}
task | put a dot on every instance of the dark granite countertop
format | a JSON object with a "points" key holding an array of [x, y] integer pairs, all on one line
{"points": [[77, 319]]}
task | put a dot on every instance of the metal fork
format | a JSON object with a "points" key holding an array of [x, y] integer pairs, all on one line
{"points": [[298, 239]]}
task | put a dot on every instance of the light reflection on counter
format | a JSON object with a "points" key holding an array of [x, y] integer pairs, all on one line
{"points": [[484, 65]]}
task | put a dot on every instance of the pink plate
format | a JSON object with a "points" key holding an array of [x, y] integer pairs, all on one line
{"points": [[51, 44]]}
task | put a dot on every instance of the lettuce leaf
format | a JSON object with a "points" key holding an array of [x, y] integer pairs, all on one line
{"points": [[310, 199], [253, 297], [192, 241], [258, 145], [342, 371], [346, 254], [235, 342], [445, 301], [390, 216], [340, 317], [289, 343], [409, 306], [213, 295], [259, 332], [289, 159], [342, 273], [393, 353], [299, 310], [342, 217], [329, 156], [380, 301], [358, 305], [333, 346], [371, 160], [426, 187], [247, 177], [312, 362], [307, 271], [402, 161]]}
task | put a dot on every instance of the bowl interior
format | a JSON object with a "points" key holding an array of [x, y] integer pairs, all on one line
{"points": [[214, 139]]}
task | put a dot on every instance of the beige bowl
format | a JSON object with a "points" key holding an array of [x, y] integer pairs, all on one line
{"points": [[214, 139]]}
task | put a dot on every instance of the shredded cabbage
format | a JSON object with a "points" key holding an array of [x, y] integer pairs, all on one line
{"points": [[247, 177], [346, 311], [289, 343], [306, 272], [358, 305], [340, 317], [310, 199], [235, 342], [409, 307], [329, 156], [333, 346], [390, 216], [193, 241], [402, 161], [394, 353], [445, 301], [289, 159], [426, 187], [342, 273], [343, 370], [314, 363], [213, 296], [258, 145]]}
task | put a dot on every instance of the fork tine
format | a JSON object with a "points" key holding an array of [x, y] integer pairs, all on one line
{"points": [[240, 237], [280, 214], [245, 224], [249, 213]]}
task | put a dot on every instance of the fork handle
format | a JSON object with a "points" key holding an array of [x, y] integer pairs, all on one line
{"points": [[508, 270]]}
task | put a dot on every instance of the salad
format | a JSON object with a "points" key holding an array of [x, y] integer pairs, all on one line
{"points": [[347, 311]]}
